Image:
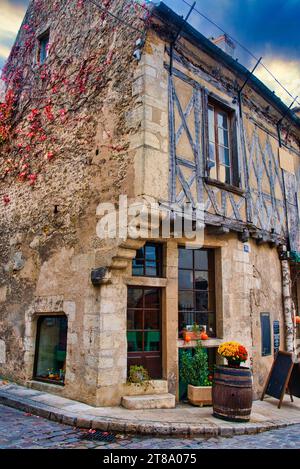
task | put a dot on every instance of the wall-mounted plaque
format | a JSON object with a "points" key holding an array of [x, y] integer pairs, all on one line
{"points": [[276, 337]]}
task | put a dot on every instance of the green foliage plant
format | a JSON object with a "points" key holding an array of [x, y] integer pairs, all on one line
{"points": [[194, 369]]}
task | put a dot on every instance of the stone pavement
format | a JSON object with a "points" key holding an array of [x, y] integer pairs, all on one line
{"points": [[19, 430], [183, 420]]}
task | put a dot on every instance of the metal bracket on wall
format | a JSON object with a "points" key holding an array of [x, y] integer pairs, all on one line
{"points": [[278, 125], [245, 83], [172, 44], [283, 253], [244, 236]]}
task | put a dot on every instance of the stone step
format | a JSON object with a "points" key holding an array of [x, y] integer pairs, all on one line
{"points": [[154, 386], [150, 401]]}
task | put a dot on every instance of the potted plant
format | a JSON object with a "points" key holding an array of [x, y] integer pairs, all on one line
{"points": [[232, 384], [234, 352], [194, 332], [139, 376], [194, 372]]}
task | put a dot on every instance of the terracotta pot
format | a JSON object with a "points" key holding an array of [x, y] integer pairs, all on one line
{"points": [[200, 395]]}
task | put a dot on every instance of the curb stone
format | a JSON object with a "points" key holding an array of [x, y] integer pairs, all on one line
{"points": [[98, 424], [84, 422], [126, 426], [226, 431], [70, 420], [116, 426], [145, 429]]}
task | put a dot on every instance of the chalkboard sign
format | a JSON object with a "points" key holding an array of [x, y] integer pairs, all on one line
{"points": [[276, 336], [294, 382], [279, 376]]}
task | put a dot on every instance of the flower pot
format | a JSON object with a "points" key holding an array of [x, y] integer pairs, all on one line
{"points": [[232, 393], [200, 395], [233, 364]]}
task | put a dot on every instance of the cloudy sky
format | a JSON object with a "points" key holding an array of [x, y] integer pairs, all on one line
{"points": [[269, 28]]}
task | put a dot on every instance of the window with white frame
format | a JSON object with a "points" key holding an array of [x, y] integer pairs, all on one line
{"points": [[222, 164]]}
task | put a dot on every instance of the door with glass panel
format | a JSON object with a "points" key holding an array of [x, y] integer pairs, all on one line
{"points": [[196, 289], [144, 329]]}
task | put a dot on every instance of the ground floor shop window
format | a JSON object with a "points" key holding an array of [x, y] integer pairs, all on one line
{"points": [[51, 346], [196, 290]]}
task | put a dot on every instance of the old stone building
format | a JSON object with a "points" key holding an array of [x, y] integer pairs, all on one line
{"points": [[100, 106]]}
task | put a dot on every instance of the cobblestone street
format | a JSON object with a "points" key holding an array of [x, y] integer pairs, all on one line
{"points": [[20, 430]]}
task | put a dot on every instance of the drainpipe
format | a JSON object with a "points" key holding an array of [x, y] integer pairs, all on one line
{"points": [[287, 302]]}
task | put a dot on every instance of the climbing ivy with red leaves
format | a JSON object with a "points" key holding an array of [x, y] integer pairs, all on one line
{"points": [[6, 111], [24, 128]]}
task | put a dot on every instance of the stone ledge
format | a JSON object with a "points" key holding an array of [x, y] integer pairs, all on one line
{"points": [[146, 422]]}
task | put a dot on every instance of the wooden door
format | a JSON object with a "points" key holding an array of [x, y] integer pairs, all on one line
{"points": [[144, 329]]}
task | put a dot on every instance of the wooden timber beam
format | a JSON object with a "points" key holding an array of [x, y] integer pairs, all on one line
{"points": [[218, 230]]}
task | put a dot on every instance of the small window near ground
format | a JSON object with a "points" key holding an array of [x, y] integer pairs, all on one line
{"points": [[222, 158], [148, 261], [43, 48], [51, 347]]}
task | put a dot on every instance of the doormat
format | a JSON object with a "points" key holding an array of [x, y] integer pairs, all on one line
{"points": [[97, 435]]}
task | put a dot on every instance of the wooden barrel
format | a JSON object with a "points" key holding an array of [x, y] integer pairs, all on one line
{"points": [[232, 393]]}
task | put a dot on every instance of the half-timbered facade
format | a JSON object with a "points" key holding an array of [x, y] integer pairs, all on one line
{"points": [[200, 130]]}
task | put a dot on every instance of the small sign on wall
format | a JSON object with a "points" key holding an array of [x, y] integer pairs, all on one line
{"points": [[265, 334], [276, 336]]}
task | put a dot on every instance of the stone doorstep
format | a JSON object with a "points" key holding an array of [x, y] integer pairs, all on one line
{"points": [[150, 401], [145, 426], [157, 386]]}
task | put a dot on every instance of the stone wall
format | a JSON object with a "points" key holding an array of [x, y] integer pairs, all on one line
{"points": [[48, 242]]}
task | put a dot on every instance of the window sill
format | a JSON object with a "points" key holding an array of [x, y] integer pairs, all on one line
{"points": [[46, 382], [226, 187]]}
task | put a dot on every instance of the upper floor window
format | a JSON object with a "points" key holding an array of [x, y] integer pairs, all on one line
{"points": [[148, 261], [43, 48], [221, 160]]}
